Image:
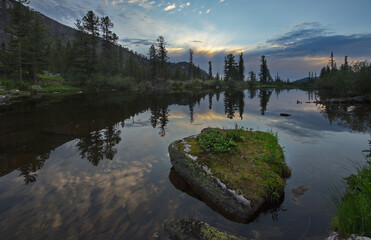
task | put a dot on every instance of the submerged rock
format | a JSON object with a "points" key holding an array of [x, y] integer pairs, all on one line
{"points": [[231, 203], [299, 191], [190, 229]]}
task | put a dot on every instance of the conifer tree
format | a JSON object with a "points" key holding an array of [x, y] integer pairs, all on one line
{"points": [[90, 23], [191, 63], [210, 71], [162, 55], [229, 67], [153, 62], [264, 74], [252, 76], [332, 62], [109, 55], [241, 68]]}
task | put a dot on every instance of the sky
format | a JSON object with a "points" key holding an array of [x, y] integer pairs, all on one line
{"points": [[296, 36]]}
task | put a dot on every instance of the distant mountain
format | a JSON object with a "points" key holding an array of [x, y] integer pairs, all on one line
{"points": [[66, 33]]}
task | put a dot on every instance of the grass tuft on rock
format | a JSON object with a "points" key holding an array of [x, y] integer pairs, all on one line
{"points": [[250, 162]]}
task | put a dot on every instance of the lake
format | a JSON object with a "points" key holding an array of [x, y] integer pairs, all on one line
{"points": [[96, 166]]}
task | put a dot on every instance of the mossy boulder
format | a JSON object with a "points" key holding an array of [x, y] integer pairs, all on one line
{"points": [[190, 229], [236, 172]]}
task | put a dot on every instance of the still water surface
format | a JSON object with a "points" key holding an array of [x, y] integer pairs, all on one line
{"points": [[97, 166]]}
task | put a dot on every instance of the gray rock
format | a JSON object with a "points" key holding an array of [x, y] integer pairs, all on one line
{"points": [[190, 229], [36, 87], [336, 236], [299, 191], [212, 191]]}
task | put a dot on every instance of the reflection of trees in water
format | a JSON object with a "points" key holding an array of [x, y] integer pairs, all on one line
{"points": [[264, 95], [191, 108], [234, 101], [160, 114], [99, 145], [163, 120], [28, 171], [210, 100], [252, 92], [355, 117]]}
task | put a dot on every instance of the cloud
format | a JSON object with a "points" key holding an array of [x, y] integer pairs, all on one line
{"points": [[141, 3], [138, 41], [312, 39], [170, 7]]}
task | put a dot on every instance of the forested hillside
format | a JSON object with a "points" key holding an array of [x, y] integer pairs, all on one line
{"points": [[89, 55]]}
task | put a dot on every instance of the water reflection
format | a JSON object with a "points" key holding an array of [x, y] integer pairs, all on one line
{"points": [[30, 130], [233, 102], [181, 184], [99, 145], [28, 171], [355, 117], [264, 95], [99, 168]]}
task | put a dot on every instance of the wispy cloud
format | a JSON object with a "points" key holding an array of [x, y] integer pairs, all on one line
{"points": [[170, 7], [312, 39], [137, 42], [141, 3]]}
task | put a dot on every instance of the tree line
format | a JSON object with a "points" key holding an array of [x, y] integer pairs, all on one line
{"points": [[354, 77], [93, 58]]}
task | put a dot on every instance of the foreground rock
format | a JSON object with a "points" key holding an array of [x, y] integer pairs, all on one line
{"points": [[190, 229], [336, 236], [248, 191]]}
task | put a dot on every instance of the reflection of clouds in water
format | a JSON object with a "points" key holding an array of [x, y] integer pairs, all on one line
{"points": [[112, 198], [304, 124], [209, 116]]}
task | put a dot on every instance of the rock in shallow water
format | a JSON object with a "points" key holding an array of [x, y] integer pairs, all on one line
{"points": [[218, 194], [191, 229]]}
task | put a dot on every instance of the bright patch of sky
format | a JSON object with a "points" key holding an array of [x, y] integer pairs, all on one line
{"points": [[290, 33]]}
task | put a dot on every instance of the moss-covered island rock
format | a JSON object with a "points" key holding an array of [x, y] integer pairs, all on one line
{"points": [[235, 171], [192, 229]]}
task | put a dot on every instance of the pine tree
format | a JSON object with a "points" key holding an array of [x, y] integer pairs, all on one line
{"points": [[81, 67], [229, 67], [85, 58], [332, 62], [19, 28], [252, 76], [108, 55], [210, 76], [241, 68], [264, 74], [191, 63], [162, 55], [345, 67], [40, 46], [90, 23], [153, 62], [217, 76]]}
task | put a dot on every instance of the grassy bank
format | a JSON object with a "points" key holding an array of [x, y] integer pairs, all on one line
{"points": [[353, 209], [250, 162]]}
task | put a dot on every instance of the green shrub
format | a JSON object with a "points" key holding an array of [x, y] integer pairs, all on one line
{"points": [[353, 209], [212, 140]]}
